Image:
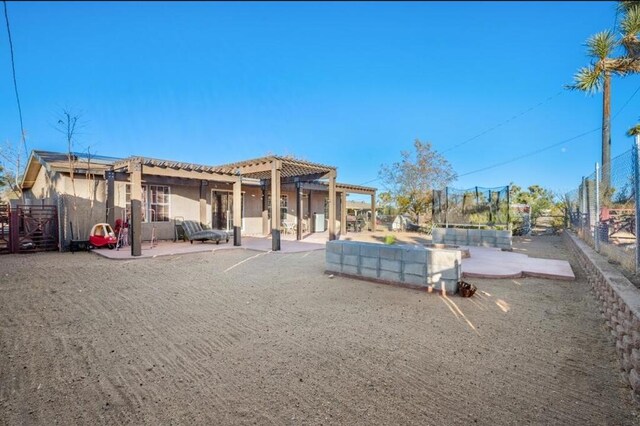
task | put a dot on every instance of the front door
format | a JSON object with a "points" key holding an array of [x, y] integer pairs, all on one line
{"points": [[222, 210]]}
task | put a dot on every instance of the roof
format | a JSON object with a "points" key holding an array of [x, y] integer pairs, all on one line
{"points": [[257, 168], [59, 162], [358, 205], [260, 168], [170, 164]]}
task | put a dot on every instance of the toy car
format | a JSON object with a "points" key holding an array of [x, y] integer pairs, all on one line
{"points": [[102, 235]]}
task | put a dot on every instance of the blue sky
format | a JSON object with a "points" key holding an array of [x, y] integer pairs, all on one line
{"points": [[348, 84]]}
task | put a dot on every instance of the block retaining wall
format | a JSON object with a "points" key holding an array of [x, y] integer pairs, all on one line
{"points": [[473, 237], [619, 304], [408, 266]]}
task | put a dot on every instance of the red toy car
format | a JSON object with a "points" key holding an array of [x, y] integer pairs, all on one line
{"points": [[102, 235]]}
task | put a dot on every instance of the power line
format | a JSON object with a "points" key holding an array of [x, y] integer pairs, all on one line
{"points": [[504, 122], [15, 82], [520, 157]]}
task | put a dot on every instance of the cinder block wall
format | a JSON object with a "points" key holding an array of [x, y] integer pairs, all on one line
{"points": [[473, 237], [619, 305], [412, 266]]}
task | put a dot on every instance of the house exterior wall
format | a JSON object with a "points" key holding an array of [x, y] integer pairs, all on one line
{"points": [[88, 206]]}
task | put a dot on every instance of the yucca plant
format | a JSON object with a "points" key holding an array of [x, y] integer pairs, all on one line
{"points": [[596, 77]]}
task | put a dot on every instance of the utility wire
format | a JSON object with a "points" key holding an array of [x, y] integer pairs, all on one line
{"points": [[504, 122], [520, 157], [15, 82]]}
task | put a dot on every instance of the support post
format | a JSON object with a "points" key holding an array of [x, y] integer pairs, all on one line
{"points": [[135, 170], [204, 185], [332, 206], [596, 237], [298, 211], [636, 184], [309, 214], [343, 213], [373, 212], [265, 209], [275, 205], [237, 212], [446, 206], [110, 175]]}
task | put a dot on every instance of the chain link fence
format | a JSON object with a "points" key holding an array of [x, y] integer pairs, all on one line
{"points": [[602, 210], [471, 207]]}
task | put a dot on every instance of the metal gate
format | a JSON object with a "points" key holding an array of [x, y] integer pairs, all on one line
{"points": [[4, 228], [32, 229]]}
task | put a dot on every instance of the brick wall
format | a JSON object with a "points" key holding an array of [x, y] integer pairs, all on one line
{"points": [[619, 304]]}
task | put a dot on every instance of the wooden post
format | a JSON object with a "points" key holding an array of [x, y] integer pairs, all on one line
{"points": [[110, 175], [276, 168], [135, 170], [332, 206], [237, 212], [343, 213], [204, 185], [299, 211], [265, 211], [373, 212], [309, 213]]}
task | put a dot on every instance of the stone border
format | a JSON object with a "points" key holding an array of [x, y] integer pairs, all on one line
{"points": [[620, 306]]}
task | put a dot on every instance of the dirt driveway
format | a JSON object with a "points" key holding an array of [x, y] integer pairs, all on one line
{"points": [[240, 337]]}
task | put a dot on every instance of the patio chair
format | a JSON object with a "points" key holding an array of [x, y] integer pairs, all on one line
{"points": [[194, 231]]}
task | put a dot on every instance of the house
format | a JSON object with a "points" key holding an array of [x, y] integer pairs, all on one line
{"points": [[261, 196]]}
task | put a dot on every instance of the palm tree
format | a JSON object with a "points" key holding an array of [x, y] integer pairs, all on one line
{"points": [[597, 75]]}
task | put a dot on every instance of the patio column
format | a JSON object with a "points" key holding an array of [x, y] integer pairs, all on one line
{"points": [[299, 210], [265, 211], [110, 175], [332, 205], [343, 213], [276, 168], [203, 201], [237, 212], [135, 171], [373, 212]]}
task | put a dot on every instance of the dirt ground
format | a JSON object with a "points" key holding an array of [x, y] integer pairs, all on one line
{"points": [[241, 337]]}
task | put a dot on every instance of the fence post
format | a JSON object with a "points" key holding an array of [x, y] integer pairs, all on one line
{"points": [[596, 238], [446, 206], [636, 187]]}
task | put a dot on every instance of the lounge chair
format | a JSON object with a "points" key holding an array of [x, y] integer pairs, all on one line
{"points": [[194, 231]]}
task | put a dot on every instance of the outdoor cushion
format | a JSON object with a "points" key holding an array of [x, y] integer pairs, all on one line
{"points": [[193, 230]]}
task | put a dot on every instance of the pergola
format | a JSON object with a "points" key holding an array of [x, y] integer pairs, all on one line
{"points": [[275, 171], [162, 172]]}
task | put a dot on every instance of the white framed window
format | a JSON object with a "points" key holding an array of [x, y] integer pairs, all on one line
{"points": [[159, 205], [156, 205], [284, 206], [127, 198]]}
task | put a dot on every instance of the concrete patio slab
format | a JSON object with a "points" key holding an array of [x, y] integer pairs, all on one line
{"points": [[169, 248], [488, 262]]}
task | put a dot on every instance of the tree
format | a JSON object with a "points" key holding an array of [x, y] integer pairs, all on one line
{"points": [[538, 198], [597, 75], [410, 181]]}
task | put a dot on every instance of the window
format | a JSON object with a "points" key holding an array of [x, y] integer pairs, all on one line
{"points": [[155, 203], [326, 207], [128, 201], [159, 203], [284, 206]]}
